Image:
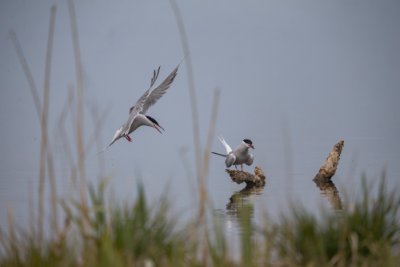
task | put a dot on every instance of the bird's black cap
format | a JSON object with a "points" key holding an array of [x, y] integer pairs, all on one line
{"points": [[152, 120], [248, 141]]}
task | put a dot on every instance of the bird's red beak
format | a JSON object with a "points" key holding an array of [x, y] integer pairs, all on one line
{"points": [[251, 146]]}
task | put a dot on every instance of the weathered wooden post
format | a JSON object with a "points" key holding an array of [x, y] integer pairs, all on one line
{"points": [[325, 174], [328, 169], [252, 180]]}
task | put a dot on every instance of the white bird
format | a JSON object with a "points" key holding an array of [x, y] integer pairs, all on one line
{"points": [[137, 113], [238, 156]]}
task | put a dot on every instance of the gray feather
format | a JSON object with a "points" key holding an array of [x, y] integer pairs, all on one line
{"points": [[160, 90]]}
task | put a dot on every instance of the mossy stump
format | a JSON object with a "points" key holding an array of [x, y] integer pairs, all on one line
{"points": [[252, 180]]}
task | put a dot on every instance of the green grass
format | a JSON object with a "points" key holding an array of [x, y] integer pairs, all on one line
{"points": [[367, 234]]}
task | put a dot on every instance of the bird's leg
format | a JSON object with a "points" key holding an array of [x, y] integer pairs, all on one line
{"points": [[235, 167], [241, 167], [128, 138]]}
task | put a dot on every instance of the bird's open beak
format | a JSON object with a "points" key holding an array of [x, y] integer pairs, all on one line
{"points": [[158, 127], [251, 146]]}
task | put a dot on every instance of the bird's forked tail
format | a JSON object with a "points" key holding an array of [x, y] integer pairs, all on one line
{"points": [[219, 154]]}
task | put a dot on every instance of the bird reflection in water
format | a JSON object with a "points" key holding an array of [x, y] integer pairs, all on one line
{"points": [[238, 218], [240, 209], [243, 199]]}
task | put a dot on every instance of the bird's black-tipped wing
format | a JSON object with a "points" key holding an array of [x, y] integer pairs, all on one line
{"points": [[155, 76], [160, 90], [152, 82]]}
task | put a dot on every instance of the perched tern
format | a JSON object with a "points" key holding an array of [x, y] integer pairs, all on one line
{"points": [[137, 113], [238, 156]]}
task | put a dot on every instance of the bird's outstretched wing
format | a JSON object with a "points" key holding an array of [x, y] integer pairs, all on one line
{"points": [[155, 76], [225, 144], [150, 98], [152, 82], [160, 90]]}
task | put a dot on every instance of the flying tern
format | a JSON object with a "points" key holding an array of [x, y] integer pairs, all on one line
{"points": [[238, 156], [137, 113]]}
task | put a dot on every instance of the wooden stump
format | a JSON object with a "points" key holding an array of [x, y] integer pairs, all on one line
{"points": [[252, 180], [330, 165], [325, 174]]}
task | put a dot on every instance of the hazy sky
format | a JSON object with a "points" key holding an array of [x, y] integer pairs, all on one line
{"points": [[294, 76]]}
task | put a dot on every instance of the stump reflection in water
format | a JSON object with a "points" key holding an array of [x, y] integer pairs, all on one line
{"points": [[330, 192], [243, 199], [240, 207]]}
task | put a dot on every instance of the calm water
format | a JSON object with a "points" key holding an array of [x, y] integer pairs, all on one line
{"points": [[282, 189]]}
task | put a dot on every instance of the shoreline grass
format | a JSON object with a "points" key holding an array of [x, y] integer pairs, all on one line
{"points": [[140, 234]]}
